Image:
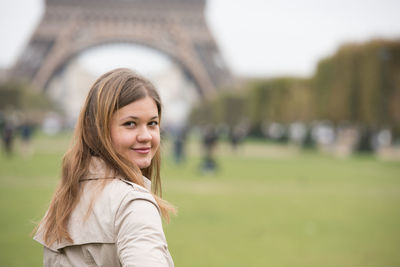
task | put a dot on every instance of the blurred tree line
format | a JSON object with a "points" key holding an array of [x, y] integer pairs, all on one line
{"points": [[359, 84], [19, 101], [20, 96]]}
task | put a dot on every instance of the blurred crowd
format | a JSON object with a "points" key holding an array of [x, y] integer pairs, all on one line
{"points": [[13, 127]]}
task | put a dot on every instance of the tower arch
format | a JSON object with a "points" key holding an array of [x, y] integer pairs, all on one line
{"points": [[176, 28]]}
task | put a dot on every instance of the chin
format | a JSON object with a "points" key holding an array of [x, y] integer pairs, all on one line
{"points": [[142, 165]]}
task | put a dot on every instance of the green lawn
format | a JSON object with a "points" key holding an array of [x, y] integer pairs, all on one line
{"points": [[267, 205]]}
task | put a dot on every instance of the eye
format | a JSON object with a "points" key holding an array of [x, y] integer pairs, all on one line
{"points": [[153, 123], [129, 124]]}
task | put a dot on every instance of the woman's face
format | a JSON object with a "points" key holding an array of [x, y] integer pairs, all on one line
{"points": [[135, 131]]}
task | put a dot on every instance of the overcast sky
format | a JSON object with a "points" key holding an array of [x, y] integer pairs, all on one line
{"points": [[256, 37]]}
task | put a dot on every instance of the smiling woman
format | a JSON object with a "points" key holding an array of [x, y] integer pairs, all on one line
{"points": [[104, 212]]}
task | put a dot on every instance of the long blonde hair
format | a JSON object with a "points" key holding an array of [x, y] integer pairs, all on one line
{"points": [[92, 137]]}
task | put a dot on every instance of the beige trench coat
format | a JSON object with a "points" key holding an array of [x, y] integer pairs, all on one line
{"points": [[124, 228]]}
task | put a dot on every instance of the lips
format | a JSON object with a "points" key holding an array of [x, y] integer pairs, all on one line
{"points": [[142, 150]]}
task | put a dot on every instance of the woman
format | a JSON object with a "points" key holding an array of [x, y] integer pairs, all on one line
{"points": [[103, 212]]}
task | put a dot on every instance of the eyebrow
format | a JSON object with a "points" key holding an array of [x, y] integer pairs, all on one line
{"points": [[136, 118]]}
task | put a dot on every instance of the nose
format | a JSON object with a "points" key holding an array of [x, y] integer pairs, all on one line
{"points": [[144, 135]]}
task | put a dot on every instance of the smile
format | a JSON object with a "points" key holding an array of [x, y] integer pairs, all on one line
{"points": [[142, 150]]}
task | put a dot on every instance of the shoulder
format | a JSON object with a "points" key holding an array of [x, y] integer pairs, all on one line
{"points": [[130, 192], [120, 189], [118, 195], [121, 199]]}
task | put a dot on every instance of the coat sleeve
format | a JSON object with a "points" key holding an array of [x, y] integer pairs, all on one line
{"points": [[140, 239]]}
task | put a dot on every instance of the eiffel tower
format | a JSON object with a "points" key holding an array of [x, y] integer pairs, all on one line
{"points": [[176, 28]]}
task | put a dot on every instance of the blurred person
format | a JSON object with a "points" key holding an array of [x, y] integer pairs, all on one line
{"points": [[104, 212], [234, 139], [26, 130], [210, 139], [237, 135], [179, 145], [8, 136]]}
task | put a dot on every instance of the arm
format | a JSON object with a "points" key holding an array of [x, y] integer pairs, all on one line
{"points": [[140, 237]]}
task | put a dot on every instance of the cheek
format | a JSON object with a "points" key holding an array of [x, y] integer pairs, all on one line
{"points": [[156, 139], [119, 139]]}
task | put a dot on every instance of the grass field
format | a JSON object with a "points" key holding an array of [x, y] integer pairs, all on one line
{"points": [[267, 205]]}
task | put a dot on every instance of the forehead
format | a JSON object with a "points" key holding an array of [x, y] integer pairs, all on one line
{"points": [[143, 107]]}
